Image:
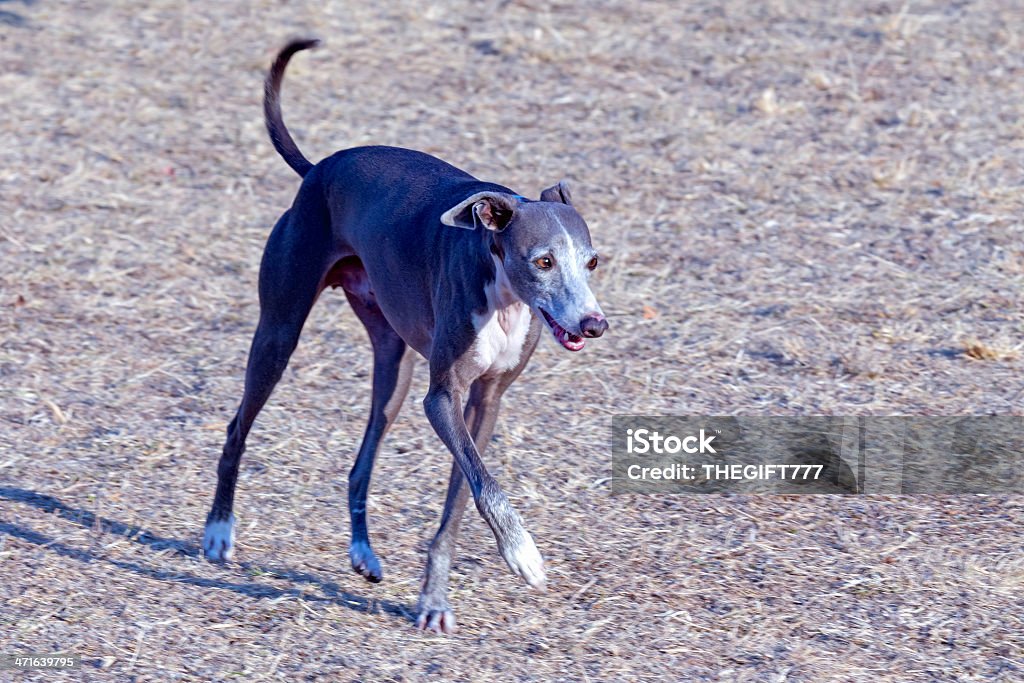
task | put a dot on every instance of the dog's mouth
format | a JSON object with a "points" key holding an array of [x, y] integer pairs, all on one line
{"points": [[567, 339]]}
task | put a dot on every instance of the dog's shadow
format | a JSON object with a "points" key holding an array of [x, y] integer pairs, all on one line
{"points": [[331, 592], [11, 18]]}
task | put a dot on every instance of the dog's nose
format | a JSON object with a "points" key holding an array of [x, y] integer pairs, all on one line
{"points": [[593, 325]]}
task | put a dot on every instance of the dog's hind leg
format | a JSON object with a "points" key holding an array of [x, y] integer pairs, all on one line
{"points": [[393, 362], [481, 413], [290, 281]]}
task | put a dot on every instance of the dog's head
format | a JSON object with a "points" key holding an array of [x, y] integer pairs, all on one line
{"points": [[545, 251]]}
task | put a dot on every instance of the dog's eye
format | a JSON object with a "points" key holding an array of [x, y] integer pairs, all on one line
{"points": [[544, 263], [592, 263]]}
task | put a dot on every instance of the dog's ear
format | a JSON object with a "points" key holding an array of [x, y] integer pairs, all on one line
{"points": [[493, 210], [557, 193]]}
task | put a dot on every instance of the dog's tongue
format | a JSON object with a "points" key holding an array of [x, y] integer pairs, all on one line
{"points": [[567, 339]]}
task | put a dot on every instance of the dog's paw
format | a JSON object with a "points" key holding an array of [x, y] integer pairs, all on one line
{"points": [[364, 562], [219, 539], [436, 616], [524, 559]]}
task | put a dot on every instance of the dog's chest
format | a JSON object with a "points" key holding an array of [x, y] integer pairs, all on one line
{"points": [[500, 336]]}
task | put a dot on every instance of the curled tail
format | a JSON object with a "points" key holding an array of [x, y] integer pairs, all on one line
{"points": [[279, 135]]}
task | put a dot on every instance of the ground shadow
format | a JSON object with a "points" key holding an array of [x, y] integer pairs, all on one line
{"points": [[13, 18], [332, 593]]}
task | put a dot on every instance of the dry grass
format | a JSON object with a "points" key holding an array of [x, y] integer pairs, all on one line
{"points": [[807, 208]]}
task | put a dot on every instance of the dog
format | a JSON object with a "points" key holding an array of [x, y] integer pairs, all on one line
{"points": [[434, 262]]}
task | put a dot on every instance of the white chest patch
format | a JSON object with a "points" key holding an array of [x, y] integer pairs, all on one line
{"points": [[501, 331]]}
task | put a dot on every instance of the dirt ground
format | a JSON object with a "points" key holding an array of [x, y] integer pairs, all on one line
{"points": [[804, 208]]}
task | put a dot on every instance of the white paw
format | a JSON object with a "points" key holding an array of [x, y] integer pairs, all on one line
{"points": [[441, 621], [524, 559], [219, 540]]}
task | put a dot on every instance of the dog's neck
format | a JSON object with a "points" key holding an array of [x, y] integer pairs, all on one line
{"points": [[503, 295]]}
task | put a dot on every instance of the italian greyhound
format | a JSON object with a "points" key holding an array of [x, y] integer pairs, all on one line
{"points": [[433, 261]]}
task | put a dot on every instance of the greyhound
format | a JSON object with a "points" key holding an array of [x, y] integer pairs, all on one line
{"points": [[433, 261]]}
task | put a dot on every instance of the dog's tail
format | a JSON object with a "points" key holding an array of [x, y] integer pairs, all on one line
{"points": [[279, 135]]}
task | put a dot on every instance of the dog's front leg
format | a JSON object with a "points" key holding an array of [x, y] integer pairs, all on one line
{"points": [[435, 614], [443, 408]]}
